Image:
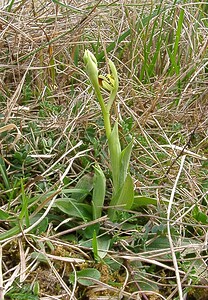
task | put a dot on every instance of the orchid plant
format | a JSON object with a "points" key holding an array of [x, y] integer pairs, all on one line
{"points": [[123, 187]]}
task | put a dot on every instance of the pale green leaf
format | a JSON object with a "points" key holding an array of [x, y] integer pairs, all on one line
{"points": [[143, 201], [124, 199], [85, 183], [98, 192], [103, 244], [72, 208], [100, 245], [125, 158], [115, 156], [86, 276]]}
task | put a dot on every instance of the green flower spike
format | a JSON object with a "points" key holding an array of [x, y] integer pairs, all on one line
{"points": [[92, 71], [110, 83], [113, 77], [123, 186]]}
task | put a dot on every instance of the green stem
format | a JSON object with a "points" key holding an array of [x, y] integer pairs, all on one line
{"points": [[107, 124], [105, 112]]}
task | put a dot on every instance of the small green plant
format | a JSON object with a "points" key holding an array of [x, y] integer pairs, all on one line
{"points": [[123, 188], [85, 277], [24, 292]]}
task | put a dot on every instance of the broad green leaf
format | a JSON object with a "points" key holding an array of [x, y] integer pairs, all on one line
{"points": [[115, 156], [103, 244], [89, 231], [100, 246], [72, 208], [125, 158], [85, 183], [85, 276], [158, 243], [42, 226], [147, 286], [124, 199], [98, 195], [143, 201], [74, 191]]}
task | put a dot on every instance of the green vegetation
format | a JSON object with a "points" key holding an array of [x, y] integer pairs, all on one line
{"points": [[103, 150], [123, 187]]}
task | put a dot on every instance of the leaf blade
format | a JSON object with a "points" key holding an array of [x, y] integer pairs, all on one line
{"points": [[124, 198], [115, 156], [99, 190]]}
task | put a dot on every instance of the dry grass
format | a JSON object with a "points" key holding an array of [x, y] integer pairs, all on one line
{"points": [[52, 133]]}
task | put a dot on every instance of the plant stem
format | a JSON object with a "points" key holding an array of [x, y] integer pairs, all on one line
{"points": [[105, 112]]}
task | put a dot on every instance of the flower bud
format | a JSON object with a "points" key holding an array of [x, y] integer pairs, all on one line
{"points": [[91, 68], [114, 76]]}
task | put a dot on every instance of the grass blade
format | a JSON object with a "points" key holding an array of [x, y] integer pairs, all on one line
{"points": [[24, 212], [4, 174], [140, 24], [178, 32], [175, 56]]}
